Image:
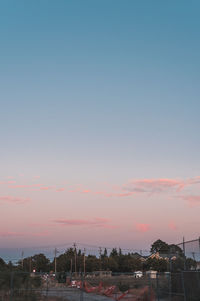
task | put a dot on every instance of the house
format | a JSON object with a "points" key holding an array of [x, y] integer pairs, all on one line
{"points": [[151, 274], [159, 256]]}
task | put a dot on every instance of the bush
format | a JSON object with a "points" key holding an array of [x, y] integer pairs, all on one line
{"points": [[123, 287]]}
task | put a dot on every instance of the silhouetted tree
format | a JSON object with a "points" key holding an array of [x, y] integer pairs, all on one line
{"points": [[160, 246]]}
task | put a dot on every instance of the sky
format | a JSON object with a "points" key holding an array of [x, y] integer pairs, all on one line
{"points": [[99, 127]]}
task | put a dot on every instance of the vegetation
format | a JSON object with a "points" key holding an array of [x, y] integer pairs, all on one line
{"points": [[170, 257]]}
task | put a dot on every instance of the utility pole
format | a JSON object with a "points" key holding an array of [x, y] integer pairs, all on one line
{"points": [[75, 258], [22, 255], [184, 252], [55, 259], [71, 267], [193, 255], [30, 264], [184, 245], [100, 252], [199, 244], [84, 262]]}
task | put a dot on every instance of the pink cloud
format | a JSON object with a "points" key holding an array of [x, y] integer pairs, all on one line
{"points": [[99, 192], [96, 222], [45, 188], [109, 226], [60, 189], [11, 199], [133, 187], [193, 200], [13, 234], [172, 226], [9, 234], [38, 185], [192, 181], [153, 185], [125, 194], [7, 182], [143, 227], [110, 195], [86, 191], [19, 186]]}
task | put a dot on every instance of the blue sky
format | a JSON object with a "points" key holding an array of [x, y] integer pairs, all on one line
{"points": [[99, 92]]}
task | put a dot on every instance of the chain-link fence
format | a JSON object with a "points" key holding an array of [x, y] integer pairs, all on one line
{"points": [[191, 249], [152, 286]]}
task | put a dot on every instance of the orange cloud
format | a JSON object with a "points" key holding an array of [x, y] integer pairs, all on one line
{"points": [[143, 227]]}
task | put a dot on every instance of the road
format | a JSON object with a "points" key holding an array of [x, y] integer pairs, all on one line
{"points": [[73, 294]]}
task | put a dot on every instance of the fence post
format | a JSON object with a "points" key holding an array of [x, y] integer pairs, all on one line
{"points": [[183, 285], [170, 286], [47, 287], [81, 287], [157, 287], [11, 285], [149, 290]]}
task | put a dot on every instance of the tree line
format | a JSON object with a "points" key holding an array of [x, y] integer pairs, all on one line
{"points": [[170, 258]]}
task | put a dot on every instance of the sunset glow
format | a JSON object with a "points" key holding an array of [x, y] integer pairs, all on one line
{"points": [[99, 123]]}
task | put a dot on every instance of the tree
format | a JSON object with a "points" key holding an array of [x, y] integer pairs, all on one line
{"points": [[190, 264], [27, 264], [40, 263], [160, 246], [113, 264], [159, 265], [10, 266], [177, 264], [105, 253], [176, 250], [2, 264], [92, 263], [114, 253], [79, 253], [127, 263]]}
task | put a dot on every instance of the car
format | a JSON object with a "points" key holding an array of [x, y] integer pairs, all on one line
{"points": [[76, 284], [138, 274]]}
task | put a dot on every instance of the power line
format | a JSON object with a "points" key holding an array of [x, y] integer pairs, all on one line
{"points": [[92, 248]]}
